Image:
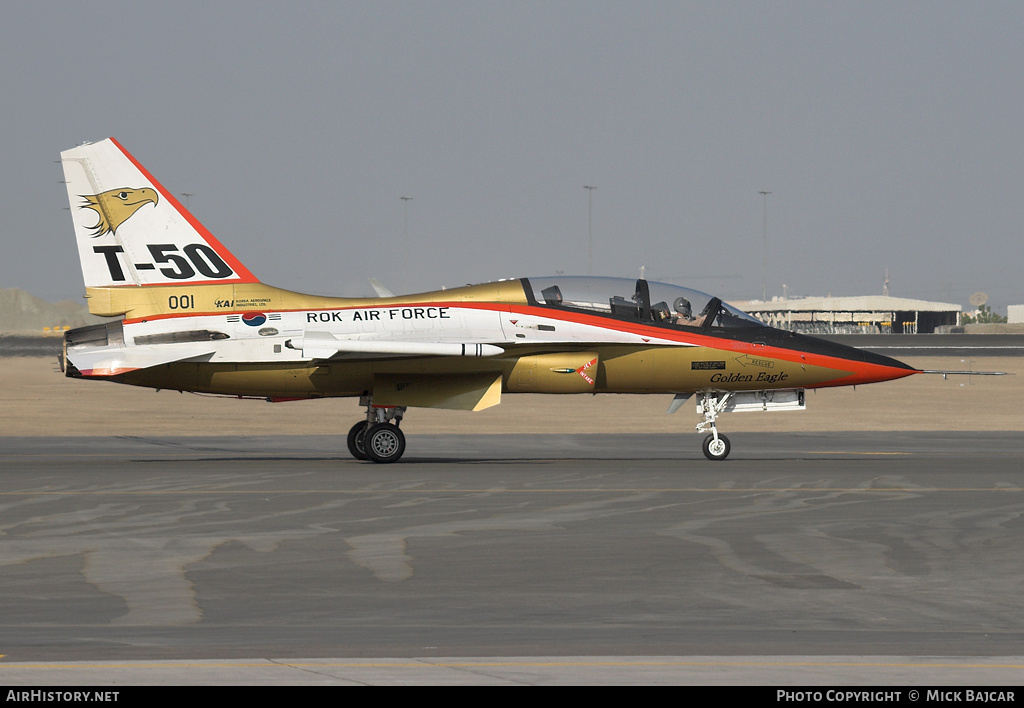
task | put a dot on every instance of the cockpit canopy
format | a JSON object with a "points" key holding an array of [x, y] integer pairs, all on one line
{"points": [[658, 303]]}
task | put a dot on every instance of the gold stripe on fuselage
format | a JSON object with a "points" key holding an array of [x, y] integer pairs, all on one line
{"points": [[620, 369]]}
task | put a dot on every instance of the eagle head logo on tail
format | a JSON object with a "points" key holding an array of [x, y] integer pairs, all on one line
{"points": [[115, 206]]}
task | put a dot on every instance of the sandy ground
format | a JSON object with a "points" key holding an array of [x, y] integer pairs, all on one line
{"points": [[38, 400]]}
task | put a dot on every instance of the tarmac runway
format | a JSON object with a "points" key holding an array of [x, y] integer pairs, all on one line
{"points": [[840, 558]]}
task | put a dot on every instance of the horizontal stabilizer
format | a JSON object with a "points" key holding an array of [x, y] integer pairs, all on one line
{"points": [[111, 362]]}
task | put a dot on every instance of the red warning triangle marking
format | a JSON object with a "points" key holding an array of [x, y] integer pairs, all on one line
{"points": [[513, 321], [582, 371]]}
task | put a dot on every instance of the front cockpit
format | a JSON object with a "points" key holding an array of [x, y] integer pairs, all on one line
{"points": [[639, 300]]}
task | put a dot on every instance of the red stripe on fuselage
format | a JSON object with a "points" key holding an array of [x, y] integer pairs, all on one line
{"points": [[858, 372]]}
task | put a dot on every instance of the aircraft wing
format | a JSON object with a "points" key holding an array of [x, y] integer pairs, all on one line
{"points": [[465, 392], [470, 392], [381, 289]]}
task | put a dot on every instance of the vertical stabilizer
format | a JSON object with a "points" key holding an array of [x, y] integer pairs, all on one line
{"points": [[132, 231]]}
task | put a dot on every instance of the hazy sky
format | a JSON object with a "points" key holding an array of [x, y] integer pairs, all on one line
{"points": [[890, 134]]}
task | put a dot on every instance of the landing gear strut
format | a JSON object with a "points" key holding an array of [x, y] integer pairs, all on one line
{"points": [[378, 438], [716, 447]]}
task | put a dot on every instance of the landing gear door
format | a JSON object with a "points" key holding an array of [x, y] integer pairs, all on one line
{"points": [[787, 399]]}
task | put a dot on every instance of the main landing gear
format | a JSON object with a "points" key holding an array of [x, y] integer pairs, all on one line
{"points": [[716, 446], [378, 438]]}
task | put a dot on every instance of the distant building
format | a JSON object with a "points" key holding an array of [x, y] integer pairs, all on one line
{"points": [[865, 314], [1015, 314]]}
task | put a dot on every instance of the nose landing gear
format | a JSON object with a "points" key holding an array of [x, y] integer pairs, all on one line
{"points": [[716, 446]]}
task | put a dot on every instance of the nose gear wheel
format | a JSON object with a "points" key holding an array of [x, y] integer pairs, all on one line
{"points": [[716, 448]]}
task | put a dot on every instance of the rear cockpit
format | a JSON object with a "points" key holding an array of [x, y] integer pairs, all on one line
{"points": [[639, 300]]}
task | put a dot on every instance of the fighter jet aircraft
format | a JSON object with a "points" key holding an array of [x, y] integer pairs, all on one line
{"points": [[193, 318]]}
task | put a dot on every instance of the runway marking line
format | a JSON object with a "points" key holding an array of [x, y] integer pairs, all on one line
{"points": [[215, 456], [848, 452], [429, 664], [228, 456], [516, 491]]}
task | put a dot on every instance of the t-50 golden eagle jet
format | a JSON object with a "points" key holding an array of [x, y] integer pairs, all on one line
{"points": [[195, 319]]}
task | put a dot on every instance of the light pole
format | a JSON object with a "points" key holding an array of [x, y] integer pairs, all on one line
{"points": [[405, 243], [590, 228], [764, 274]]}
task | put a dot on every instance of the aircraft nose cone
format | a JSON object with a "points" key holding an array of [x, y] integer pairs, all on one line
{"points": [[852, 365], [866, 366]]}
